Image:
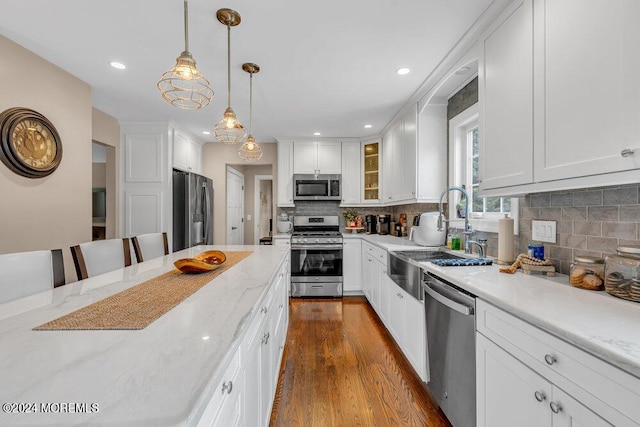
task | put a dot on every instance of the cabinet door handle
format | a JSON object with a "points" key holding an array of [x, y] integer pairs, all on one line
{"points": [[550, 359], [281, 305], [264, 309], [265, 338], [227, 387], [540, 396], [627, 152], [555, 407]]}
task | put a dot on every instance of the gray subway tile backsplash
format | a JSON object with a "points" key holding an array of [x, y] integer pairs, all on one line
{"points": [[587, 198], [620, 196], [572, 213], [630, 213], [603, 213], [562, 199]]}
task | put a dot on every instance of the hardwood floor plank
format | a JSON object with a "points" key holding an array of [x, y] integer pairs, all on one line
{"points": [[342, 368]]}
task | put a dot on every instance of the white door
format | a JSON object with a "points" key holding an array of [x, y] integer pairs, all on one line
{"points": [[235, 207], [263, 207]]}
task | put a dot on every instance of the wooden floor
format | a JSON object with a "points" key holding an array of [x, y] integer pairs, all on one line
{"points": [[342, 368]]}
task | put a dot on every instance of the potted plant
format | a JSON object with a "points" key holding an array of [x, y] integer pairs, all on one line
{"points": [[350, 216]]}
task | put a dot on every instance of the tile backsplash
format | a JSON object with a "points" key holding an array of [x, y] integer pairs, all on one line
{"points": [[592, 221]]}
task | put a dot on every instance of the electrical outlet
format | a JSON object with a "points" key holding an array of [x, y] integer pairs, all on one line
{"points": [[543, 231]]}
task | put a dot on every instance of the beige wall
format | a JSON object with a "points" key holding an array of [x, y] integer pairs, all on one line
{"points": [[55, 211], [99, 175], [106, 131], [215, 158], [250, 173]]}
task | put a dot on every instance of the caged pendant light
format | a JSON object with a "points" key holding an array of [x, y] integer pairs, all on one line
{"points": [[184, 86], [229, 130], [250, 150]]}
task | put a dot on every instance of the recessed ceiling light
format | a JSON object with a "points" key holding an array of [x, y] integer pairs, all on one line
{"points": [[402, 71], [368, 126], [206, 337], [317, 133], [206, 132], [118, 65]]}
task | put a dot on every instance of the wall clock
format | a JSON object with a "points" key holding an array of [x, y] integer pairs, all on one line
{"points": [[29, 143]]}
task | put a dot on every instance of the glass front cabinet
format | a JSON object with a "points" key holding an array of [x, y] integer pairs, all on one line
{"points": [[371, 156]]}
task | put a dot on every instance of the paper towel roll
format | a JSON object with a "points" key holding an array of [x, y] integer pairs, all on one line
{"points": [[505, 240]]}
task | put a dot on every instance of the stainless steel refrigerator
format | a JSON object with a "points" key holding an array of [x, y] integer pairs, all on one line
{"points": [[192, 210]]}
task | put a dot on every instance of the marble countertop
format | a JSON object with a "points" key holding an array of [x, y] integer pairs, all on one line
{"points": [[601, 324], [161, 375]]}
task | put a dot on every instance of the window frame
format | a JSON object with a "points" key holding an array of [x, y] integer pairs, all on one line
{"points": [[459, 126]]}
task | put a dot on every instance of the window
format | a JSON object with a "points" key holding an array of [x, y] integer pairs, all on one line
{"points": [[464, 162]]}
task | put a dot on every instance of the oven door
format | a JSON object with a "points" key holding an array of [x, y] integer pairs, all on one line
{"points": [[314, 261]]}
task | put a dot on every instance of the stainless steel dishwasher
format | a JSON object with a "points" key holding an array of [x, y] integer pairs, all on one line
{"points": [[450, 317]]}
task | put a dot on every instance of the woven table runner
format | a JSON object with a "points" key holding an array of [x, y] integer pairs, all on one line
{"points": [[139, 306]]}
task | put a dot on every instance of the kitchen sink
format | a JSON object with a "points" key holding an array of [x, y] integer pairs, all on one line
{"points": [[407, 274]]}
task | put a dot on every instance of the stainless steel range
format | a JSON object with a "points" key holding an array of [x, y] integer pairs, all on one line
{"points": [[316, 257]]}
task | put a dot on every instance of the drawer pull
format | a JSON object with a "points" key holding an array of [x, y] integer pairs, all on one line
{"points": [[555, 407], [540, 396], [265, 338], [264, 309], [550, 359], [227, 387]]}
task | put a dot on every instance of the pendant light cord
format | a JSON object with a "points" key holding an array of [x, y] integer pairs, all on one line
{"points": [[186, 25], [251, 104], [228, 66]]}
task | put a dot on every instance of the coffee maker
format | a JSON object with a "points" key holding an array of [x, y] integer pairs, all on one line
{"points": [[384, 223], [370, 224]]}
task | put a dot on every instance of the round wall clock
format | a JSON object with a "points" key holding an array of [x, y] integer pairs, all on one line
{"points": [[29, 143]]}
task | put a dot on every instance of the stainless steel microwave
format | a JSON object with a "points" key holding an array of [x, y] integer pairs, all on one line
{"points": [[317, 187]]}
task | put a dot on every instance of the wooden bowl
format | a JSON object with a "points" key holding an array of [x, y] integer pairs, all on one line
{"points": [[201, 263]]}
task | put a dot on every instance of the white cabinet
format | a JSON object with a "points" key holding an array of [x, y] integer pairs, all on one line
{"points": [[317, 157], [510, 393], [506, 94], [399, 161], [432, 153], [352, 265], [285, 173], [224, 408], [187, 153], [586, 117], [282, 239], [367, 272], [351, 172], [530, 377], [547, 125]]}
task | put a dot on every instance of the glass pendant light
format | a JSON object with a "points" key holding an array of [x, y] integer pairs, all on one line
{"points": [[184, 86], [229, 130], [250, 150]]}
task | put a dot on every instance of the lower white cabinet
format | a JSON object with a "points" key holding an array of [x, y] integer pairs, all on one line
{"points": [[402, 314], [352, 265], [246, 392], [527, 377], [509, 393]]}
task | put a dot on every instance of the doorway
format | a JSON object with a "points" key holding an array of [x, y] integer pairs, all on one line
{"points": [[104, 190], [235, 207], [263, 208]]}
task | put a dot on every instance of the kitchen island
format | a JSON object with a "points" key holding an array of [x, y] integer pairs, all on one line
{"points": [[164, 374]]}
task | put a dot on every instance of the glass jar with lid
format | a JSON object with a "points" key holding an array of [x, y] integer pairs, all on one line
{"points": [[622, 273], [587, 272]]}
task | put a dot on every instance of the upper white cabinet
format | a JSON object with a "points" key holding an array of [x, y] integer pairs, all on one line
{"points": [[187, 153], [560, 96], [399, 160], [285, 173], [432, 153], [317, 157], [506, 94], [351, 172], [587, 92]]}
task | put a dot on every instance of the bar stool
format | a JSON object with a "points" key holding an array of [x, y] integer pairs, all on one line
{"points": [[100, 256], [150, 245], [26, 273]]}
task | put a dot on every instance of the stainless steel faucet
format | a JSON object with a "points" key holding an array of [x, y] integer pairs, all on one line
{"points": [[468, 230], [482, 246]]}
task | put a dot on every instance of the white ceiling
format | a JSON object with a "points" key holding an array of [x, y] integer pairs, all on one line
{"points": [[326, 66]]}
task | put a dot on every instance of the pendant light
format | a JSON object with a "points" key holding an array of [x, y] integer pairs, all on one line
{"points": [[250, 150], [184, 86], [229, 130]]}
